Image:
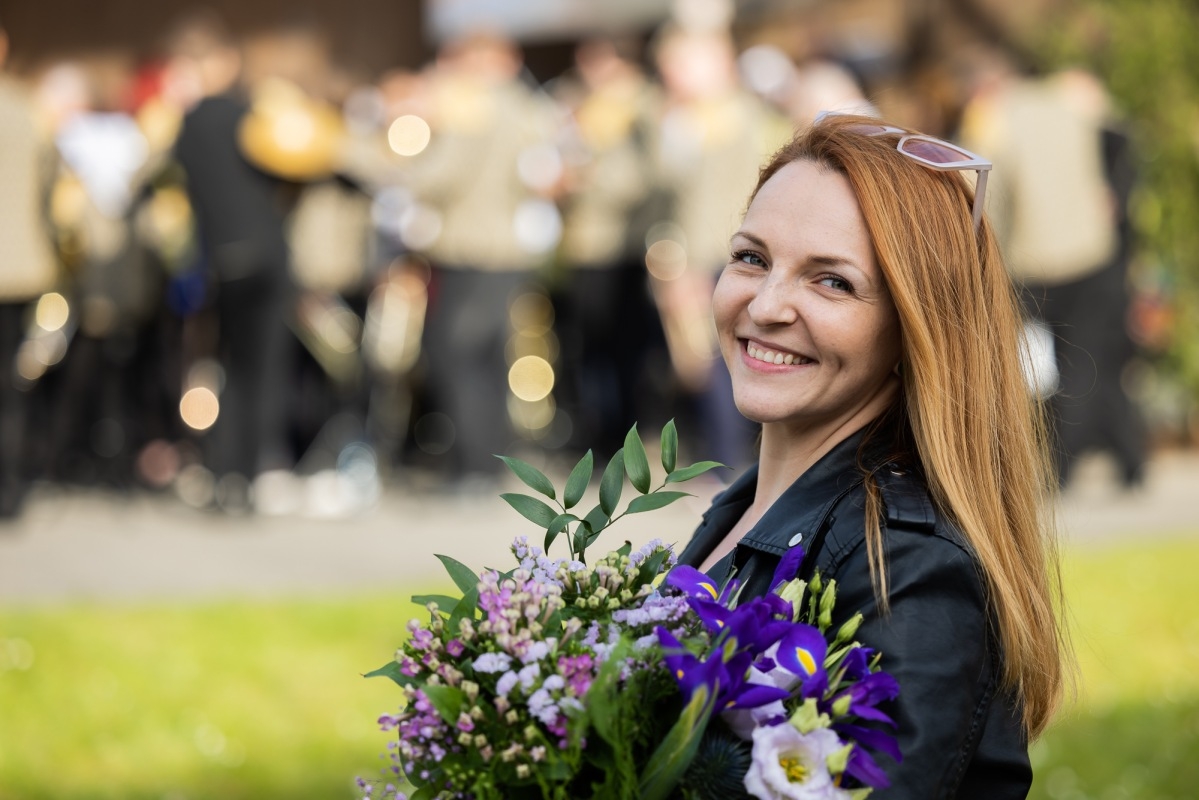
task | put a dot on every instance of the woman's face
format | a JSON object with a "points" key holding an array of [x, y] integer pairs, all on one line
{"points": [[807, 326]]}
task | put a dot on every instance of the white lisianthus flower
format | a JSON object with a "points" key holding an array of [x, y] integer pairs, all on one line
{"points": [[789, 765], [744, 721]]}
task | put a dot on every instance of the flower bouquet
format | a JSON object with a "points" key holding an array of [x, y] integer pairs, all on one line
{"points": [[630, 676]]}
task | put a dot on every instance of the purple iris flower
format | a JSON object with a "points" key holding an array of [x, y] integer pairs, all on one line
{"points": [[857, 663], [788, 567], [697, 584], [868, 693], [690, 672], [802, 652]]}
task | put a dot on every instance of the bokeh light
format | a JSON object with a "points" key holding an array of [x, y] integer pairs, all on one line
{"points": [[199, 408], [531, 378], [409, 135]]}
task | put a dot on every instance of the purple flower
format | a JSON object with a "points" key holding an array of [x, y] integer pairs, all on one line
{"points": [[789, 765], [696, 584], [788, 567], [802, 652]]}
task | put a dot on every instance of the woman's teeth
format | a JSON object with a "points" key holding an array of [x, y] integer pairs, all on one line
{"points": [[771, 357]]}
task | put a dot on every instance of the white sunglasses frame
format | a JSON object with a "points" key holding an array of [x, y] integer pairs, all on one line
{"points": [[971, 161]]}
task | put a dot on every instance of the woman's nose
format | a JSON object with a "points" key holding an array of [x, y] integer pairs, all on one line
{"points": [[773, 305]]}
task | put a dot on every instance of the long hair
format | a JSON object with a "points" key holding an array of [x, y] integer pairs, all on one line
{"points": [[979, 436]]}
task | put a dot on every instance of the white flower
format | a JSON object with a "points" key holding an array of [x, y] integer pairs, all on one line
{"points": [[789, 765], [492, 662]]}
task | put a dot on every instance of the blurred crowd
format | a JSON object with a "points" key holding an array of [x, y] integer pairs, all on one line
{"points": [[239, 272]]}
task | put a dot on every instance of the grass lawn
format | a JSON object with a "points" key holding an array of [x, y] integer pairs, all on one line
{"points": [[263, 700]]}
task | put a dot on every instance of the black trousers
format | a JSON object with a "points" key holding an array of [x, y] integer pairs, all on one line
{"points": [[1091, 410], [466, 332], [13, 410], [256, 348]]}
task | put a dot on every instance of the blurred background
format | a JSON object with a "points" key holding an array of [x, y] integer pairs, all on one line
{"points": [[278, 279]]}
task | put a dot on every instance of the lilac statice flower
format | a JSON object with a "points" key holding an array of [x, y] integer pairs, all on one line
{"points": [[655, 610], [492, 662]]}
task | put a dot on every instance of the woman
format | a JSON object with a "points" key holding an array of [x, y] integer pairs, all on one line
{"points": [[870, 327]]}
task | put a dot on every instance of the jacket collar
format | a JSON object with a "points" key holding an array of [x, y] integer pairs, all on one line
{"points": [[795, 516]]}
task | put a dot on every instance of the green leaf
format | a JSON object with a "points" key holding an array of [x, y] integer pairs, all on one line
{"points": [[635, 462], [556, 527], [576, 483], [463, 576], [531, 509], [605, 707], [611, 483], [649, 502], [677, 750], [597, 520], [444, 601], [652, 565], [532, 476], [670, 446], [426, 792], [390, 670], [448, 700], [465, 608], [693, 471]]}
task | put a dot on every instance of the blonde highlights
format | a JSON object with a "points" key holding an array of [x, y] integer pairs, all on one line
{"points": [[978, 435]]}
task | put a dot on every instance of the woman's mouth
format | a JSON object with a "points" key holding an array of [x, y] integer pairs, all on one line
{"points": [[770, 356]]}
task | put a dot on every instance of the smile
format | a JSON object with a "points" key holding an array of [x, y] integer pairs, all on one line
{"points": [[774, 356]]}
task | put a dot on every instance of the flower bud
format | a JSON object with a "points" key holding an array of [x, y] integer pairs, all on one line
{"points": [[838, 761], [841, 705]]}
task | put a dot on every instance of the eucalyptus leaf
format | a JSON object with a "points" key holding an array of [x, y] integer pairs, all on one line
{"points": [[650, 502], [693, 471], [576, 483], [533, 478], [612, 483], [463, 576], [531, 508], [635, 462], [670, 446]]}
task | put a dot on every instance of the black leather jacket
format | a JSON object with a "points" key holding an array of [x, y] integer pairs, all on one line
{"points": [[960, 735]]}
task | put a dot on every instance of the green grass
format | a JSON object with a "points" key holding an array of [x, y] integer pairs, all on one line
{"points": [[1134, 731], [232, 700], [264, 700]]}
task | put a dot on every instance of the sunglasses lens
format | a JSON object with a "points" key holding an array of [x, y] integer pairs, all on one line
{"points": [[935, 152]]}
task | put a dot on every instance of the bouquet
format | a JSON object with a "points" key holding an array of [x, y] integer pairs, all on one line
{"points": [[630, 676]]}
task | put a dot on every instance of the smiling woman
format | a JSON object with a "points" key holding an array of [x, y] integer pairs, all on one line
{"points": [[869, 326]]}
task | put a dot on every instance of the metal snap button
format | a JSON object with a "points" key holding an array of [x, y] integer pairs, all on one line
{"points": [[796, 539]]}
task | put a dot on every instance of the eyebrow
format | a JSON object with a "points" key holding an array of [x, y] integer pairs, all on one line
{"points": [[825, 260]]}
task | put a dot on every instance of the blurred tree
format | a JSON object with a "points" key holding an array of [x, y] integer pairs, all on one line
{"points": [[1147, 53]]}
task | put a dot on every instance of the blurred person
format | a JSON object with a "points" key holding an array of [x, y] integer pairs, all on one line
{"points": [[1061, 208], [609, 325], [27, 266], [239, 211], [709, 140], [485, 222], [115, 288]]}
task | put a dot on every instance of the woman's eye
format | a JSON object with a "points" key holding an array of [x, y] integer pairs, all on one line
{"points": [[834, 282], [749, 257]]}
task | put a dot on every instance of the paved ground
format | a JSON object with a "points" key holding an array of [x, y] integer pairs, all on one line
{"points": [[85, 545]]}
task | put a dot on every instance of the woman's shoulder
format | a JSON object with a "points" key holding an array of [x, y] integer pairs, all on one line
{"points": [[910, 520]]}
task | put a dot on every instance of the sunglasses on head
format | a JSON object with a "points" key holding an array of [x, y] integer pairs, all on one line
{"points": [[932, 153]]}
